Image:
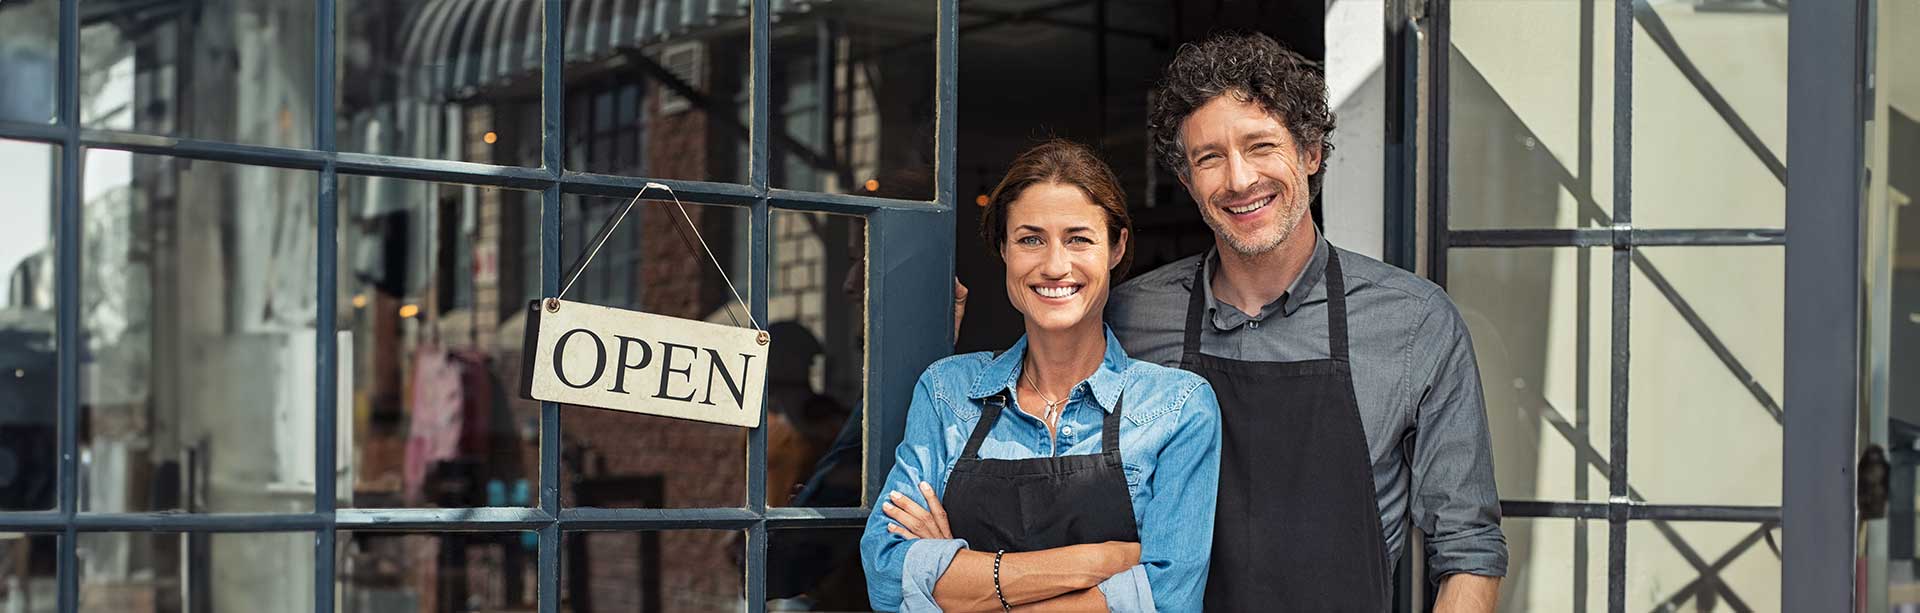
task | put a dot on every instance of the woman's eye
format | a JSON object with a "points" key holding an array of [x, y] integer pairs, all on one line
{"points": [[1029, 241], [1081, 240]]}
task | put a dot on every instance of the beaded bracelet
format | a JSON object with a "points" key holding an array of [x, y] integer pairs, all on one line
{"points": [[1004, 607]]}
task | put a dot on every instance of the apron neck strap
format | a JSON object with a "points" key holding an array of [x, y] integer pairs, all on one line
{"points": [[1110, 428], [989, 415], [1336, 282]]}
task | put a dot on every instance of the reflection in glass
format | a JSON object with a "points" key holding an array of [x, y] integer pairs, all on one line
{"points": [[815, 570], [227, 70], [853, 102], [680, 571], [654, 263], [1707, 372], [430, 572], [184, 572], [1530, 119], [658, 90], [1555, 565], [816, 369], [1664, 561], [28, 378], [431, 297], [1540, 320], [29, 60], [440, 79], [197, 313]]}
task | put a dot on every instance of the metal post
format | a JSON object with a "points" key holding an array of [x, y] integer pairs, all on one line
{"points": [[326, 415], [1823, 274], [552, 147]]}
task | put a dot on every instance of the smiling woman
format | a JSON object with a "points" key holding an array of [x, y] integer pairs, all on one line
{"points": [[1095, 491]]}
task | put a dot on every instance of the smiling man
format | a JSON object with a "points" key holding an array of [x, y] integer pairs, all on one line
{"points": [[1349, 396]]}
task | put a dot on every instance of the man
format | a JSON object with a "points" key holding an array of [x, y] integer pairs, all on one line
{"points": [[1348, 390]]}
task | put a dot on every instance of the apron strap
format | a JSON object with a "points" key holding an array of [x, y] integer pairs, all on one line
{"points": [[1336, 306], [1196, 308], [1110, 428], [989, 415]]}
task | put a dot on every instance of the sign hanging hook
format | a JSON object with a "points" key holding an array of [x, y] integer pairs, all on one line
{"points": [[621, 215]]}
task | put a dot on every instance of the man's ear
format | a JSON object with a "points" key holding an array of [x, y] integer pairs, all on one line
{"points": [[1311, 159]]}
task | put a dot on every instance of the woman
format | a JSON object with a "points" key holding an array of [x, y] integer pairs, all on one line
{"points": [[1059, 474]]}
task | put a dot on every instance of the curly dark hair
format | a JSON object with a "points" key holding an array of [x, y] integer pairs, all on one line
{"points": [[1248, 67]]}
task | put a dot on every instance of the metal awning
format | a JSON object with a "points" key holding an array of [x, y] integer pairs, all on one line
{"points": [[456, 48]]}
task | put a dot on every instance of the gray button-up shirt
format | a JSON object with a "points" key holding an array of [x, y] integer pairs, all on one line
{"points": [[1414, 376]]}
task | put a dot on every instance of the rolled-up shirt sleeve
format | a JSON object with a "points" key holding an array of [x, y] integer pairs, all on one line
{"points": [[901, 572], [1454, 499]]}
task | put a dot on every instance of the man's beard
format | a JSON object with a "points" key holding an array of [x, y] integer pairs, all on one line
{"points": [[1291, 210]]}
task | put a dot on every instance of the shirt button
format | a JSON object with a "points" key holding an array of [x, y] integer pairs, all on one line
{"points": [[1066, 430], [1253, 325]]}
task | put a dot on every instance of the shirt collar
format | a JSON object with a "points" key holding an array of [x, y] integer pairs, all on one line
{"points": [[1003, 373], [1287, 304]]}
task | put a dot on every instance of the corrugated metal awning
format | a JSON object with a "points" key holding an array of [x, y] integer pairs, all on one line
{"points": [[459, 47]]}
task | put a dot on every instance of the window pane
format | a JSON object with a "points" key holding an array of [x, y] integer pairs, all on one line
{"points": [[27, 572], [434, 281], [853, 100], [197, 312], [692, 114], [1531, 115], [1690, 408], [391, 572], [440, 80], [1540, 322], [815, 570], [29, 60], [620, 459], [1691, 168], [169, 571], [1669, 567], [691, 571], [1554, 565], [28, 378], [228, 70], [816, 373]]}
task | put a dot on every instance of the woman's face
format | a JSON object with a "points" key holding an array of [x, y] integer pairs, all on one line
{"points": [[1059, 259]]}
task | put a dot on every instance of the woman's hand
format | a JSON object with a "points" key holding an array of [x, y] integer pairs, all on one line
{"points": [[912, 522]]}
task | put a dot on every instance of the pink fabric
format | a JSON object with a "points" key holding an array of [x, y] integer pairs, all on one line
{"points": [[433, 432]]}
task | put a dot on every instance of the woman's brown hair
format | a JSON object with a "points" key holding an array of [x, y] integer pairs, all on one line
{"points": [[1063, 162]]}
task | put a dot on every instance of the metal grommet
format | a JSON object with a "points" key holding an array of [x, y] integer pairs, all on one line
{"points": [[553, 305], [763, 337]]}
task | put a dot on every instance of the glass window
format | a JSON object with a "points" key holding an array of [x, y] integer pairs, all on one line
{"points": [[405, 572], [815, 570], [29, 385], [198, 304], [1554, 565], [672, 571], [1693, 325], [646, 99], [171, 571], [228, 70], [29, 61], [440, 79], [816, 373], [1541, 325], [853, 101], [1702, 566], [1530, 115], [433, 282]]}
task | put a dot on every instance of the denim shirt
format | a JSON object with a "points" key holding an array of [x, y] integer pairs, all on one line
{"points": [[1169, 444]]}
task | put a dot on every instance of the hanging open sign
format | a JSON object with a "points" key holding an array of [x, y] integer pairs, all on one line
{"points": [[591, 355], [597, 356]]}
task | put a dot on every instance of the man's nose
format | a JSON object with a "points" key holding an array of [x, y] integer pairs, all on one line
{"points": [[1240, 174]]}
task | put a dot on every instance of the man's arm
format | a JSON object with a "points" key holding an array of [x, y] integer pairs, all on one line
{"points": [[1454, 500], [1467, 593]]}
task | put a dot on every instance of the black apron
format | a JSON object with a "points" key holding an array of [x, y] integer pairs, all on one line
{"points": [[1041, 503], [1297, 526]]}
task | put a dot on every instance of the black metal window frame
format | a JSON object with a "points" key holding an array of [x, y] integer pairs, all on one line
{"points": [[911, 240], [1826, 83]]}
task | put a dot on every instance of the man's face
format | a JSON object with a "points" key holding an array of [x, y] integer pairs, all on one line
{"points": [[1247, 174]]}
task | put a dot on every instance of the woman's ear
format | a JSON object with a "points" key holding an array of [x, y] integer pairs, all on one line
{"points": [[1118, 252]]}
